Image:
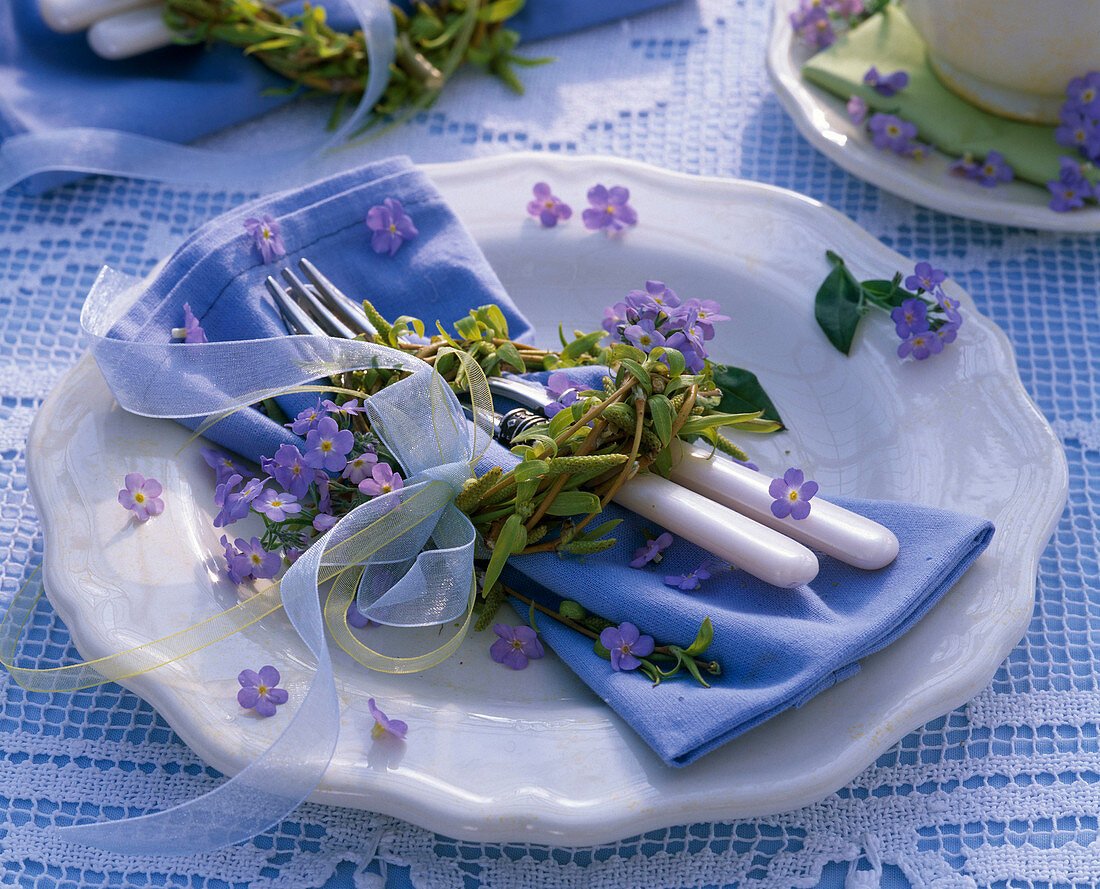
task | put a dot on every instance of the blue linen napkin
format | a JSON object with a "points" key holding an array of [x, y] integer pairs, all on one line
{"points": [[50, 80], [777, 647]]}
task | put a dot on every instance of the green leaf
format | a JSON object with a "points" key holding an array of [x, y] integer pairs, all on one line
{"points": [[698, 425], [663, 464], [886, 294], [530, 470], [837, 306], [499, 10], [581, 345], [561, 421], [675, 360], [512, 538], [660, 411], [693, 668], [597, 646], [742, 392], [468, 328], [510, 357], [600, 530], [639, 373], [651, 671], [574, 503], [702, 638]]}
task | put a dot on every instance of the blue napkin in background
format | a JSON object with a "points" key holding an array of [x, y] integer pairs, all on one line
{"points": [[777, 647], [50, 80]]}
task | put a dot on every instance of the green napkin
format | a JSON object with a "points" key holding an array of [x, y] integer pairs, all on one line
{"points": [[889, 41]]}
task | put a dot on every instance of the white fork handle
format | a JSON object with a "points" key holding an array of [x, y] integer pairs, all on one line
{"points": [[68, 16], [828, 528], [732, 537], [130, 33]]}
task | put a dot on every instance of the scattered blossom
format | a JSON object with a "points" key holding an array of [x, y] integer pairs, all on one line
{"points": [[383, 725], [291, 470], [609, 209], [357, 619], [691, 580], [857, 110], [564, 390], [1071, 188], [307, 420], [252, 560], [383, 480], [141, 496], [964, 166], [266, 235], [652, 550], [891, 132], [886, 85], [192, 331], [813, 26], [910, 317], [276, 506], [549, 208], [351, 408], [260, 691], [515, 646], [359, 468], [993, 170], [221, 463], [392, 227], [921, 345], [792, 494], [926, 277], [626, 645]]}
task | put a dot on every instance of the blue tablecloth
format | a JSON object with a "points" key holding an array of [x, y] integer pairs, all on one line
{"points": [[1002, 792]]}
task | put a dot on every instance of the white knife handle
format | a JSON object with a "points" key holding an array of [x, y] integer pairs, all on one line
{"points": [[730, 536], [828, 528]]}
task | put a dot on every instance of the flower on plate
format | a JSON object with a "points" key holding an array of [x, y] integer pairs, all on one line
{"points": [[383, 725], [260, 691], [691, 580], [252, 560], [993, 170], [291, 470], [1083, 95], [910, 317], [307, 419], [392, 227], [516, 646], [357, 619], [1071, 188], [548, 207], [609, 209], [626, 644], [651, 552], [922, 345], [891, 132], [813, 26], [359, 468], [192, 331], [266, 236], [926, 277], [141, 496], [221, 463], [644, 335], [792, 494], [383, 480], [887, 84], [857, 110], [276, 506]]}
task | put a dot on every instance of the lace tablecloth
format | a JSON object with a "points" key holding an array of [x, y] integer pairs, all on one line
{"points": [[1004, 791]]}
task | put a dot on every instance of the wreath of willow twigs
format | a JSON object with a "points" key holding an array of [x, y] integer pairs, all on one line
{"points": [[433, 41]]}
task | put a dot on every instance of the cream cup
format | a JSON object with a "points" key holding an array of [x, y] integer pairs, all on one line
{"points": [[1012, 57]]}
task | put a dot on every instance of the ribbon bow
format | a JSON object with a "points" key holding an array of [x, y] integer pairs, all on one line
{"points": [[415, 535]]}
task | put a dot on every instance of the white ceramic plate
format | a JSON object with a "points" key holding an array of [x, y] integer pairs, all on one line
{"points": [[534, 756], [823, 119]]}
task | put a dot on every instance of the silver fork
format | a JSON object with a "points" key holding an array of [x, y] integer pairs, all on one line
{"points": [[718, 504]]}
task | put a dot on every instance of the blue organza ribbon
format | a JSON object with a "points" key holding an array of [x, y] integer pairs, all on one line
{"points": [[119, 153], [414, 534]]}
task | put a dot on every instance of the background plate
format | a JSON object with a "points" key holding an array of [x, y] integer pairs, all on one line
{"points": [[534, 756], [822, 119]]}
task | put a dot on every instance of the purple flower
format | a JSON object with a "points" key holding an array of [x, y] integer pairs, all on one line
{"points": [[1071, 188], [260, 691], [291, 470], [359, 468], [252, 560], [564, 391], [857, 110], [383, 725], [323, 521], [141, 496], [626, 645], [547, 207], [391, 226], [947, 333], [1083, 95], [233, 506], [689, 581], [910, 317], [748, 464], [655, 299], [609, 209], [221, 463], [351, 408], [651, 552], [847, 8], [383, 480], [1079, 131], [690, 347], [813, 26], [964, 166], [265, 235], [887, 85], [993, 170], [950, 308], [919, 150], [276, 506], [704, 314], [329, 446], [921, 345], [889, 131], [516, 646], [357, 619], [231, 553], [307, 419], [192, 331], [644, 335], [925, 277], [792, 494]]}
